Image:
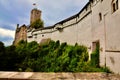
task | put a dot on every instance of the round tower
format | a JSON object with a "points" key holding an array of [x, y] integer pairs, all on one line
{"points": [[35, 15]]}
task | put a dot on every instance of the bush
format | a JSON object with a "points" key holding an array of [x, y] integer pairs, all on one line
{"points": [[95, 57], [49, 57], [37, 24]]}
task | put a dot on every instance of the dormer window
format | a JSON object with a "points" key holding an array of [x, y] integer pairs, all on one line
{"points": [[114, 5]]}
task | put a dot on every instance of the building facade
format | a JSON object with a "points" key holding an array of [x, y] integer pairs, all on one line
{"points": [[97, 22]]}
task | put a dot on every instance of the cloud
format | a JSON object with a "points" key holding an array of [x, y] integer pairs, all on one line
{"points": [[52, 11], [7, 33], [7, 36], [14, 12], [57, 10], [7, 25]]}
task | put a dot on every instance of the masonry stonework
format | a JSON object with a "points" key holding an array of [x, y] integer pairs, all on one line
{"points": [[35, 15], [20, 34]]}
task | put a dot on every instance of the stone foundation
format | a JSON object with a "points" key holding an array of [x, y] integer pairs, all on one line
{"points": [[57, 76]]}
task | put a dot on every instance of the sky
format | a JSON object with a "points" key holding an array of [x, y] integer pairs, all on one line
{"points": [[13, 12]]}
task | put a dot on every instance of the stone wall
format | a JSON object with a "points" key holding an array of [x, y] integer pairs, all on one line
{"points": [[20, 34], [57, 76]]}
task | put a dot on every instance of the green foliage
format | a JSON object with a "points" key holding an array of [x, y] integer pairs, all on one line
{"points": [[2, 47], [50, 57], [95, 57], [37, 24]]}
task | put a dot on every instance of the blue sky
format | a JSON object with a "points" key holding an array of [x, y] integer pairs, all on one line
{"points": [[14, 12]]}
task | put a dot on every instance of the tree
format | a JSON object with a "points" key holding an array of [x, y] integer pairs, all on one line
{"points": [[2, 52], [37, 24], [2, 47]]}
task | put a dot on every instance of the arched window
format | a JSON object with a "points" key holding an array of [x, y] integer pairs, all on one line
{"points": [[114, 5]]}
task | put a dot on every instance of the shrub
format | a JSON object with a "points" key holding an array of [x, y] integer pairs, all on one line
{"points": [[37, 24], [95, 57], [49, 57]]}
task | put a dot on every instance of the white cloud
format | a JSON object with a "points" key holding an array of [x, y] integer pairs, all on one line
{"points": [[7, 36], [7, 33], [8, 42]]}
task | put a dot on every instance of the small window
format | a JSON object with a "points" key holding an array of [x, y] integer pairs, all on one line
{"points": [[92, 1], [114, 5], [100, 16], [42, 35], [29, 36], [117, 5], [35, 35]]}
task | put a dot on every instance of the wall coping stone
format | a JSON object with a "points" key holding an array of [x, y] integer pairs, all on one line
{"points": [[57, 76]]}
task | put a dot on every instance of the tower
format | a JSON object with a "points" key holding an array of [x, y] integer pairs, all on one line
{"points": [[35, 15], [20, 34]]}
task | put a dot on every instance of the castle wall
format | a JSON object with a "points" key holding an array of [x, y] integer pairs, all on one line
{"points": [[84, 35], [67, 35], [107, 31], [39, 35], [98, 29], [95, 23], [112, 28], [29, 37], [76, 30], [112, 61]]}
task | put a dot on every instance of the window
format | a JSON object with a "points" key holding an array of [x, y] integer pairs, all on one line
{"points": [[29, 36], [117, 4], [91, 1], [37, 12], [35, 35], [42, 35], [100, 16], [95, 45], [114, 5]]}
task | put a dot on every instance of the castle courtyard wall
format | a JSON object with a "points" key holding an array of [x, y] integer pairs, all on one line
{"points": [[67, 35], [84, 34]]}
